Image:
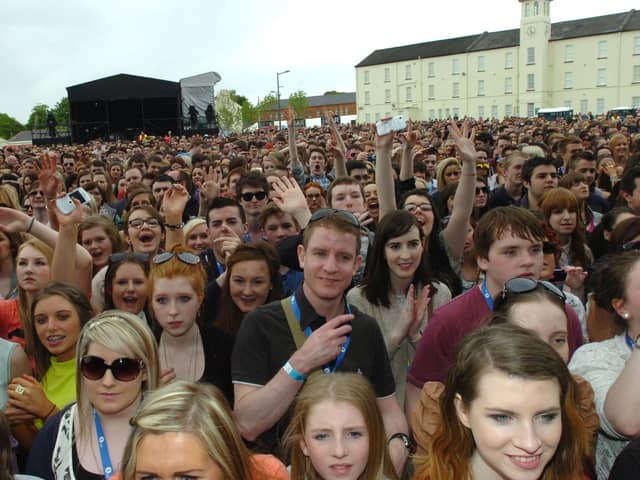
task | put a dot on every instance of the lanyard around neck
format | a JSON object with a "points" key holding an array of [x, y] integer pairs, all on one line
{"points": [[487, 296], [104, 449], [307, 331]]}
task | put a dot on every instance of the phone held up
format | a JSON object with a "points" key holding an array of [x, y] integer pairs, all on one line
{"points": [[392, 124], [66, 205]]}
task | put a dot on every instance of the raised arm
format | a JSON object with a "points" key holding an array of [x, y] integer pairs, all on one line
{"points": [[409, 139], [384, 175], [455, 232], [173, 203], [50, 184], [340, 149], [210, 189], [72, 266], [290, 198]]}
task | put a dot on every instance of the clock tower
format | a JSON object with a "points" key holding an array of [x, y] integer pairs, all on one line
{"points": [[534, 60]]}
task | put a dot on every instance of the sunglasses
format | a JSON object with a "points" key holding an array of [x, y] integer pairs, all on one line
{"points": [[123, 369], [330, 212], [119, 257], [248, 196], [481, 190], [632, 245], [520, 285], [35, 193], [412, 207], [149, 222], [184, 257], [360, 178]]}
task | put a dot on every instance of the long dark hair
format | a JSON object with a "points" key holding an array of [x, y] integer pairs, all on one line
{"points": [[376, 284], [437, 254], [112, 269]]}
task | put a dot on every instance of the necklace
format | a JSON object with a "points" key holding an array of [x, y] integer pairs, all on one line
{"points": [[193, 362]]}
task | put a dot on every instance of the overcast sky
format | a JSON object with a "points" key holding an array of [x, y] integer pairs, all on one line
{"points": [[48, 46]]}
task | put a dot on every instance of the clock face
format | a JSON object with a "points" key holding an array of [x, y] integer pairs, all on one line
{"points": [[531, 30]]}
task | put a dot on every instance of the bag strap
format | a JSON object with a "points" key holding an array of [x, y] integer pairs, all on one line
{"points": [[296, 332]]}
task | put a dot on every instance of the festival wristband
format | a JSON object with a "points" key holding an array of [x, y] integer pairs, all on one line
{"points": [[293, 373]]}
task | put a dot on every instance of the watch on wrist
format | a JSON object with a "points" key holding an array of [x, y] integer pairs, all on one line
{"points": [[405, 440], [176, 226]]}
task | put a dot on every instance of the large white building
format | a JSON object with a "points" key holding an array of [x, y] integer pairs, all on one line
{"points": [[590, 65]]}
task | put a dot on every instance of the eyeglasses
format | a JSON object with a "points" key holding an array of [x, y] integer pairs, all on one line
{"points": [[329, 212], [123, 369], [119, 257], [360, 178], [184, 257], [519, 285], [150, 222], [412, 207], [480, 190], [248, 196], [549, 248], [632, 245]]}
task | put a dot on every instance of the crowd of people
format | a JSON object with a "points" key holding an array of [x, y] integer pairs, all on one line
{"points": [[457, 300]]}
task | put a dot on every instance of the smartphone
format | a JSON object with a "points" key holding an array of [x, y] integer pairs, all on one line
{"points": [[388, 125], [559, 275], [66, 205]]}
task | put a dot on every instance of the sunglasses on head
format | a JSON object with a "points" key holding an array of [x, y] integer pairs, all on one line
{"points": [[123, 369], [330, 212], [520, 285], [184, 257], [248, 196], [632, 245], [118, 257]]}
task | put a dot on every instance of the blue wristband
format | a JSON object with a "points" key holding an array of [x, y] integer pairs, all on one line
{"points": [[293, 373]]}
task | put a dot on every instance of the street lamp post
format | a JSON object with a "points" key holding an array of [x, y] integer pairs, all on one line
{"points": [[278, 94]]}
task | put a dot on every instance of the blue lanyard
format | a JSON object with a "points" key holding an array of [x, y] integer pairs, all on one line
{"points": [[219, 266], [307, 332], [104, 449], [630, 341], [487, 296]]}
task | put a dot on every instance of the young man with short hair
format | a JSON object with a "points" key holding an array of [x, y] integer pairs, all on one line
{"points": [[508, 242], [630, 188], [583, 161], [252, 192], [539, 174], [512, 191], [269, 369]]}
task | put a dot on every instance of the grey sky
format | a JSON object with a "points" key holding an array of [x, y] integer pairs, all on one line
{"points": [[48, 46]]}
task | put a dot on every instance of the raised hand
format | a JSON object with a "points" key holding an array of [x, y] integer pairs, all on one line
{"points": [[410, 137], [49, 181], [227, 242], [288, 195], [75, 217], [174, 201], [414, 316], [464, 140], [13, 221]]}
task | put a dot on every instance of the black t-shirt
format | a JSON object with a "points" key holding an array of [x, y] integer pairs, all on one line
{"points": [[264, 344]]}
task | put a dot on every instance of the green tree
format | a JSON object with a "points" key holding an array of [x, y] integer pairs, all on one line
{"points": [[61, 112], [38, 116], [229, 112], [249, 114], [299, 102], [9, 126], [267, 103]]}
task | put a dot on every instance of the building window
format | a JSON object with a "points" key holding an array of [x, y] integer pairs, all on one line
{"points": [[508, 110], [387, 74], [456, 90], [409, 94], [531, 109], [367, 117], [367, 98], [431, 69], [439, 113], [636, 45], [602, 77], [531, 56], [568, 79], [481, 112], [602, 49], [407, 72], [567, 103], [456, 112], [536, 9], [494, 111], [508, 60], [531, 82], [431, 92], [584, 106], [600, 106], [447, 113], [377, 116], [480, 88], [481, 63], [508, 85], [432, 114], [636, 74], [366, 77], [387, 95], [455, 66], [635, 102], [527, 9], [568, 53]]}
